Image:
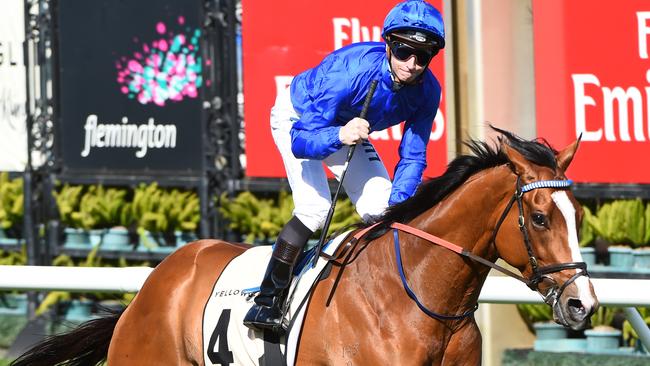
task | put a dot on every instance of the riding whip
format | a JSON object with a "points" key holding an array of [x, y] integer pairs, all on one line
{"points": [[323, 234]]}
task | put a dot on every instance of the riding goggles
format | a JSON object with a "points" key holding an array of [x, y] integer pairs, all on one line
{"points": [[403, 52]]}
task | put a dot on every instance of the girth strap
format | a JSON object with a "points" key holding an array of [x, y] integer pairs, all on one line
{"points": [[349, 244]]}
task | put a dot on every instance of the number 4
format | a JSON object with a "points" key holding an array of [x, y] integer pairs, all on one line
{"points": [[224, 356]]}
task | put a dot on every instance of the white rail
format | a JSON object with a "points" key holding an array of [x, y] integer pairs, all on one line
{"points": [[612, 292], [79, 279], [504, 290]]}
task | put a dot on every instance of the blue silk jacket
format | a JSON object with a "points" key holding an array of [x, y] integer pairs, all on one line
{"points": [[332, 93]]}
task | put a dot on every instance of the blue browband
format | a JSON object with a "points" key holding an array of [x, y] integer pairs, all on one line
{"points": [[547, 184]]}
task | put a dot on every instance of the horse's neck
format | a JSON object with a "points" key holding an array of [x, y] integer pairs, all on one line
{"points": [[468, 216], [442, 279]]}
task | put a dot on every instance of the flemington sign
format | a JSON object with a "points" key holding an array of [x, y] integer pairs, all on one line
{"points": [[130, 98], [141, 136], [282, 38], [593, 79]]}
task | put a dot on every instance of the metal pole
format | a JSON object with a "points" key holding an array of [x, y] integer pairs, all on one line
{"points": [[204, 197], [28, 219], [639, 325]]}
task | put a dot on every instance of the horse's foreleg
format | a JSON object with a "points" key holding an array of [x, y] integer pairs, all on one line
{"points": [[464, 347]]}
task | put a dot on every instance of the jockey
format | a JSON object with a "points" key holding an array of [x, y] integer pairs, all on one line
{"points": [[317, 116]]}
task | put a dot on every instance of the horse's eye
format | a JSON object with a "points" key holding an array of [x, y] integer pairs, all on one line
{"points": [[539, 220]]}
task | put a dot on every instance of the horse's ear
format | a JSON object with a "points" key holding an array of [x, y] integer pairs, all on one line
{"points": [[518, 162], [565, 156]]}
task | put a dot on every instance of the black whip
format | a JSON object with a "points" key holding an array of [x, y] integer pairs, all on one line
{"points": [[323, 234]]}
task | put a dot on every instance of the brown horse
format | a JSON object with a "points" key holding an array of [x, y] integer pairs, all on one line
{"points": [[371, 319]]}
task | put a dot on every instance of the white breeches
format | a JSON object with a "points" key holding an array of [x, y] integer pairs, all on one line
{"points": [[366, 181]]}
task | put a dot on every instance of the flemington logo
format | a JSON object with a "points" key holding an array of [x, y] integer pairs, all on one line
{"points": [[167, 69], [128, 135]]}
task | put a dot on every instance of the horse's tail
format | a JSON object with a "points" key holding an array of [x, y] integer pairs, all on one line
{"points": [[84, 345]]}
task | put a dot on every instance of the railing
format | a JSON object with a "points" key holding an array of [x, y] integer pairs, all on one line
{"points": [[624, 293], [500, 290], [610, 292], [74, 279]]}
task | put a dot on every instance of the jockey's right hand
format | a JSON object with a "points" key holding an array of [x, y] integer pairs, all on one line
{"points": [[355, 130]]}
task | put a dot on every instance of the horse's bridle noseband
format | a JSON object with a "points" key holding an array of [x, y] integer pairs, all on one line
{"points": [[540, 273]]}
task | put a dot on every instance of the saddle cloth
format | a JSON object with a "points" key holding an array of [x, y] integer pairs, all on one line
{"points": [[226, 341]]}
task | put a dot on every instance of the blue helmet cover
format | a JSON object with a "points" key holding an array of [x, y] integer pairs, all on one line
{"points": [[415, 15]]}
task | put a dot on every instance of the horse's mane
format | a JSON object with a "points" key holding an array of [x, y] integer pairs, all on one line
{"points": [[482, 157]]}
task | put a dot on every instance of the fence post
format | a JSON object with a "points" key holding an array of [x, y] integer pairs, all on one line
{"points": [[639, 325]]}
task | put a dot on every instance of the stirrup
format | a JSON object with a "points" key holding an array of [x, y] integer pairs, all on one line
{"points": [[280, 329], [254, 322]]}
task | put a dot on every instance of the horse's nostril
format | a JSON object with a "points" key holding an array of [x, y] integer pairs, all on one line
{"points": [[576, 309]]}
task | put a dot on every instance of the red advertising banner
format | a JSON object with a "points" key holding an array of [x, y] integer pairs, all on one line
{"points": [[282, 38], [592, 78]]}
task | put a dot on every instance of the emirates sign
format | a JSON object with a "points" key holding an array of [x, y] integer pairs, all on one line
{"points": [[592, 68], [282, 38]]}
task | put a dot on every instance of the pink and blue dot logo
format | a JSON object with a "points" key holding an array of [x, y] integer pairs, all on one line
{"points": [[167, 69]]}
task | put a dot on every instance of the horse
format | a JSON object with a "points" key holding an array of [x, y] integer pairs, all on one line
{"points": [[508, 200]]}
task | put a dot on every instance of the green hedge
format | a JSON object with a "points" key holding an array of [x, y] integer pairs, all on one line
{"points": [[260, 218], [527, 357], [146, 207], [618, 222], [10, 326]]}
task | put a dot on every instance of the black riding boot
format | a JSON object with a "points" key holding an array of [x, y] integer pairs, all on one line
{"points": [[267, 311]]}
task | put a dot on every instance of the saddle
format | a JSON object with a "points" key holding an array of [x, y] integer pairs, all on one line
{"points": [[226, 340]]}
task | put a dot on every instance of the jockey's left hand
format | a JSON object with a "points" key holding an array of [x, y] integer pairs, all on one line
{"points": [[355, 130]]}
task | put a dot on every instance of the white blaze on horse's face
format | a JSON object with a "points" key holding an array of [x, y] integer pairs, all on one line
{"points": [[569, 213]]}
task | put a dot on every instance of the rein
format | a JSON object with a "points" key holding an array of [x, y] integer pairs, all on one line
{"points": [[539, 273]]}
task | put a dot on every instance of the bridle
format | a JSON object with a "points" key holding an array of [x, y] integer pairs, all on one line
{"points": [[540, 274]]}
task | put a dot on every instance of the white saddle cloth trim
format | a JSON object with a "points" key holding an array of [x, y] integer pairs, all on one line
{"points": [[244, 272]]}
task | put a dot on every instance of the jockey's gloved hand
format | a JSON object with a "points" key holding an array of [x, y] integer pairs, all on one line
{"points": [[355, 130]]}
